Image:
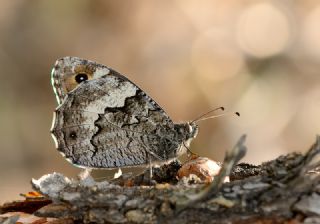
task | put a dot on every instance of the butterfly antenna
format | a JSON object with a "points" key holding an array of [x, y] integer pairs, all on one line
{"points": [[220, 115], [210, 111]]}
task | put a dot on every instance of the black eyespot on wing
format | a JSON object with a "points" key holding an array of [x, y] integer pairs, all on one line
{"points": [[73, 135], [81, 77]]}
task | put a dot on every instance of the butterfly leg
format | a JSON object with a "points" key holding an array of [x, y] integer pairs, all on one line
{"points": [[151, 182], [150, 167], [190, 153]]}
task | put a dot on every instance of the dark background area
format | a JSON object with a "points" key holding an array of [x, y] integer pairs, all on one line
{"points": [[260, 58]]}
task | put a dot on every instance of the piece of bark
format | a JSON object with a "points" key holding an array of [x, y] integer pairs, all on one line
{"points": [[27, 206], [284, 190]]}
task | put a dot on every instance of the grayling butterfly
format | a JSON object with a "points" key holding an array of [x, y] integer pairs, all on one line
{"points": [[106, 121]]}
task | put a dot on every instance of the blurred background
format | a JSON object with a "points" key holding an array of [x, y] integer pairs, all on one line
{"points": [[261, 58]]}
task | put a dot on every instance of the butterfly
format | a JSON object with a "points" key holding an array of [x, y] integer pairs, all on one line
{"points": [[104, 120]]}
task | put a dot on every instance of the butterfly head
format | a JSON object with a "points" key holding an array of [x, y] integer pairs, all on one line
{"points": [[188, 131], [69, 72], [193, 129]]}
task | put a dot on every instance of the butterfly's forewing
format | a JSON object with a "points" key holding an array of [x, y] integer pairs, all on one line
{"points": [[64, 74], [109, 122]]}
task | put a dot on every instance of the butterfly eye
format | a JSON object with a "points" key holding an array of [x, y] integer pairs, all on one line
{"points": [[81, 77]]}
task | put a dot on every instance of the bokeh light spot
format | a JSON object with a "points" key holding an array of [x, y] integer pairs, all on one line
{"points": [[311, 34], [263, 30], [214, 57]]}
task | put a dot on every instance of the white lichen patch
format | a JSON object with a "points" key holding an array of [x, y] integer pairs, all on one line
{"points": [[71, 196], [51, 184]]}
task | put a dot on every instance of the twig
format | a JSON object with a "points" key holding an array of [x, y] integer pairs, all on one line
{"points": [[231, 159]]}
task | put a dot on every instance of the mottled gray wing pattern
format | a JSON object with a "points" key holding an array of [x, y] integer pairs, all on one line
{"points": [[109, 122]]}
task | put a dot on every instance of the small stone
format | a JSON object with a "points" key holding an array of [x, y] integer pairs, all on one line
{"points": [[53, 210], [132, 204], [120, 200], [135, 216], [204, 168]]}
